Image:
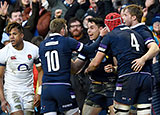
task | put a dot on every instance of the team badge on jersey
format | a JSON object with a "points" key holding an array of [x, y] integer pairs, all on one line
{"points": [[29, 56], [13, 57]]}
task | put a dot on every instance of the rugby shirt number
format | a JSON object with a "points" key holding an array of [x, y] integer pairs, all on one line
{"points": [[52, 60], [134, 42]]}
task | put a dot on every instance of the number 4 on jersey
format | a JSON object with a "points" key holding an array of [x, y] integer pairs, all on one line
{"points": [[134, 42]]}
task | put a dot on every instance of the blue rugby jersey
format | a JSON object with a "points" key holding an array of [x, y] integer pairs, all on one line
{"points": [[126, 45], [99, 74], [55, 54]]}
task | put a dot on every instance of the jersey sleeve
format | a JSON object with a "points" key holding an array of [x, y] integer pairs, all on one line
{"points": [[75, 45], [148, 36], [85, 49], [37, 59], [82, 57], [104, 44]]}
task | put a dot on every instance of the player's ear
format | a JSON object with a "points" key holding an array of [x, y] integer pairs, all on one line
{"points": [[22, 35], [134, 18]]}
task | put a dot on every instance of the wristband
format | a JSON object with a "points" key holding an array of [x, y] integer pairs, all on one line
{"points": [[39, 90]]}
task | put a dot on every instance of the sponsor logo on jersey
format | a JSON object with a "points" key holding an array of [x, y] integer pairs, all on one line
{"points": [[13, 57], [29, 56], [68, 105]]}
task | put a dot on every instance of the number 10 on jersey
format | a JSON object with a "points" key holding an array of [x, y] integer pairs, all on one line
{"points": [[52, 60]]}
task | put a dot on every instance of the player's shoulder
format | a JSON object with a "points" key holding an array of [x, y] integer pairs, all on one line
{"points": [[29, 44], [140, 27]]}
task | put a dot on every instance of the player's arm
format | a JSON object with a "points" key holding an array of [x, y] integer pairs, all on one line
{"points": [[92, 47], [76, 65], [153, 50], [4, 104], [95, 62], [39, 82]]}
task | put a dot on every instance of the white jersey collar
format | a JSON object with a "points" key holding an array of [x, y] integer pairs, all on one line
{"points": [[54, 34], [139, 24]]}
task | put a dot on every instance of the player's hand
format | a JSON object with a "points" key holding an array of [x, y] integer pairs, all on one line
{"points": [[37, 100], [108, 68], [86, 71], [138, 64], [5, 106], [104, 31]]}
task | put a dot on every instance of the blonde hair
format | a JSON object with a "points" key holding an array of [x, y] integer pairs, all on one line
{"points": [[57, 24], [135, 10]]}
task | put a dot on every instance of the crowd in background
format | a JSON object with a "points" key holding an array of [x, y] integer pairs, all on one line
{"points": [[36, 15]]}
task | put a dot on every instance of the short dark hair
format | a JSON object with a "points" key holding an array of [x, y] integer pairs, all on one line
{"points": [[74, 19], [18, 9], [12, 25], [98, 21]]}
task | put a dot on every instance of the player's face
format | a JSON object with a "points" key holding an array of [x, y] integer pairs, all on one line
{"points": [[93, 31], [76, 29], [127, 18], [16, 17], [16, 38]]}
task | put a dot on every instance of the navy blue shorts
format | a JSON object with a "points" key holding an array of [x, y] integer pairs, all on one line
{"points": [[100, 95], [134, 89], [57, 98]]}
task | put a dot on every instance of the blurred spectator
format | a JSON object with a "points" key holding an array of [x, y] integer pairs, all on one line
{"points": [[152, 7], [43, 21], [156, 28], [78, 9], [62, 5], [29, 26], [76, 30], [85, 18], [98, 7], [156, 68]]}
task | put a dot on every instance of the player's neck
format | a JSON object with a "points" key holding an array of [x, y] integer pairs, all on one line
{"points": [[134, 23], [19, 47]]}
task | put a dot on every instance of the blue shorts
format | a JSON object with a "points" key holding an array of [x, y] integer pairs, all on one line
{"points": [[57, 98], [134, 88]]}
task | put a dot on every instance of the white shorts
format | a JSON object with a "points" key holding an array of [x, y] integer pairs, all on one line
{"points": [[20, 100]]}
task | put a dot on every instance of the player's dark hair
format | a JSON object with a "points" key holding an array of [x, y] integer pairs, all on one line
{"points": [[12, 25], [74, 19], [98, 21]]}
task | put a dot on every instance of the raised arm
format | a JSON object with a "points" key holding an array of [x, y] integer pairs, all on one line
{"points": [[33, 19]]}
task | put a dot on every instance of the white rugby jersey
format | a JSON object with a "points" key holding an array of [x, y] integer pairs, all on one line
{"points": [[19, 66]]}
